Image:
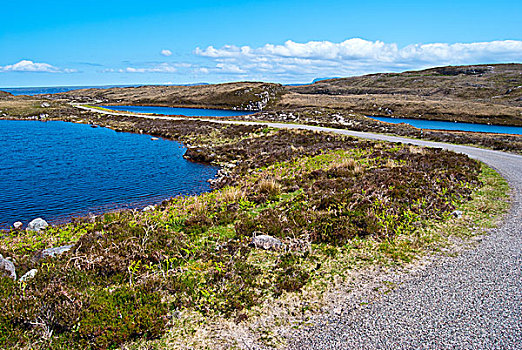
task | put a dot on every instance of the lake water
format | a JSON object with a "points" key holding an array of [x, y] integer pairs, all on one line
{"points": [[30, 91], [56, 170], [189, 112], [441, 125], [57, 89]]}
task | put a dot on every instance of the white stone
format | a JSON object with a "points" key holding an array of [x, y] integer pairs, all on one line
{"points": [[28, 275], [37, 224]]}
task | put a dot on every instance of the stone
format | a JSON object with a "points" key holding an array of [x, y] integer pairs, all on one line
{"points": [[149, 208], [45, 105], [266, 242], [457, 213], [28, 275], [18, 225], [52, 252], [37, 224], [7, 268]]}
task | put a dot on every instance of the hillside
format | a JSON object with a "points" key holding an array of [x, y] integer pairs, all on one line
{"points": [[480, 94], [241, 95], [477, 94]]}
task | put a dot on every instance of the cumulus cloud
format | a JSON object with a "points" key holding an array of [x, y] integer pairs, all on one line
{"points": [[30, 66], [353, 56], [166, 52]]}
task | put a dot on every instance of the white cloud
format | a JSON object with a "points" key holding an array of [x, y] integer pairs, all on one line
{"points": [[30, 66], [352, 56], [159, 68], [166, 52]]}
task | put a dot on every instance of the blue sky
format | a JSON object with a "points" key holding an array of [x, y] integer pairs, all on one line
{"points": [[47, 43]]}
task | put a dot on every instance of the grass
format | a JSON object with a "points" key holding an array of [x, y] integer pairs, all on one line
{"points": [[185, 275]]}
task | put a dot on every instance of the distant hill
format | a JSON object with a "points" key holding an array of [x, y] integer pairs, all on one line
{"points": [[502, 82], [321, 79], [477, 93]]}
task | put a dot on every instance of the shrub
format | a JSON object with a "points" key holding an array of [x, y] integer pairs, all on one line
{"points": [[113, 317]]}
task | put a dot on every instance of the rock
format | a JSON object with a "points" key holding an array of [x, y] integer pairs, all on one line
{"points": [[37, 225], [28, 275], [154, 138], [52, 252], [45, 105], [149, 208], [7, 268], [18, 225], [457, 213], [266, 242]]}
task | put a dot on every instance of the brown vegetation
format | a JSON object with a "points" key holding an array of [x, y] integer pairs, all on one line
{"points": [[242, 95], [341, 119], [477, 94]]}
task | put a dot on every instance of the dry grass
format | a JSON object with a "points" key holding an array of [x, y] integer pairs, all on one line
{"points": [[228, 95], [416, 149], [231, 194], [269, 186], [410, 106]]}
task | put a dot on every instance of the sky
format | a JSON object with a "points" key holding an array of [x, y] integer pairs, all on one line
{"points": [[57, 43]]}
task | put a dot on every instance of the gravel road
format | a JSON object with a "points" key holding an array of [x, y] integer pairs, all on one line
{"points": [[472, 301]]}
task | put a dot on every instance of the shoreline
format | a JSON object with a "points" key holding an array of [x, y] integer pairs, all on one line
{"points": [[87, 214]]}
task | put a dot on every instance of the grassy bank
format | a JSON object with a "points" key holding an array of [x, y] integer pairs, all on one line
{"points": [[334, 204]]}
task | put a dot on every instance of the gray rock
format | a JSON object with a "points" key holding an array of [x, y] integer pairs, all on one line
{"points": [[7, 268], [52, 252], [28, 275], [37, 225], [266, 242], [18, 225], [45, 104]]}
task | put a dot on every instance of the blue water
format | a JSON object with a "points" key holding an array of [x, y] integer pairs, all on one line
{"points": [[57, 89], [189, 112], [56, 170], [440, 125], [30, 91]]}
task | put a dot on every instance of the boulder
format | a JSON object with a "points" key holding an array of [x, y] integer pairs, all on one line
{"points": [[18, 225], [7, 268], [266, 242], [45, 105], [28, 275], [37, 225]]}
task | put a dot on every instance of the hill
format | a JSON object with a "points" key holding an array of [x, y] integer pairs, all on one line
{"points": [[241, 95], [478, 93]]}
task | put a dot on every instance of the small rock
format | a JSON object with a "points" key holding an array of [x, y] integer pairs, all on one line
{"points": [[7, 268], [28, 275], [266, 242], [154, 138], [18, 225], [457, 213], [149, 208], [45, 104], [52, 252], [37, 224]]}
